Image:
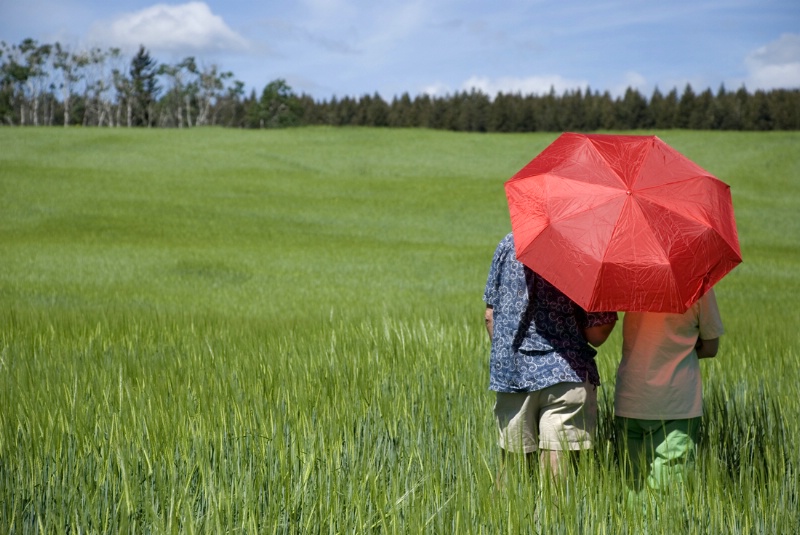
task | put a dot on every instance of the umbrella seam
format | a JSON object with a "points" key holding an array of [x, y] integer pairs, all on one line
{"points": [[609, 163], [606, 249]]}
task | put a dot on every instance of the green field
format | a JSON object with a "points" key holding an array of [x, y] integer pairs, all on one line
{"points": [[230, 331]]}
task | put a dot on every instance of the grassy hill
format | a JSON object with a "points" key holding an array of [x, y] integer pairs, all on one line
{"points": [[280, 331]]}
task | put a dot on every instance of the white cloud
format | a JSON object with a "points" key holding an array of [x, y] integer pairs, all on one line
{"points": [[539, 85], [631, 80], [185, 28], [775, 65], [536, 85], [437, 89]]}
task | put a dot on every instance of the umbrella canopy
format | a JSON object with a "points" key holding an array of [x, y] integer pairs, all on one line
{"points": [[623, 223]]}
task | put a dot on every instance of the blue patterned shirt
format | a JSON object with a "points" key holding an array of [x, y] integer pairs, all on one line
{"points": [[536, 344]]}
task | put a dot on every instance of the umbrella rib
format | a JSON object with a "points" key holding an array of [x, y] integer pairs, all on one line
{"points": [[653, 229], [679, 181], [686, 179], [658, 202], [607, 249], [610, 165]]}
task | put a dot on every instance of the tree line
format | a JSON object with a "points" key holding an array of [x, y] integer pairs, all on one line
{"points": [[48, 84]]}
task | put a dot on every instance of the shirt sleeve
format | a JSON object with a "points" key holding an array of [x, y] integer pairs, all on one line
{"points": [[593, 319], [710, 320], [492, 291]]}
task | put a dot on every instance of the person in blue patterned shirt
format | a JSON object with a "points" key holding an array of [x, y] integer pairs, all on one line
{"points": [[542, 364]]}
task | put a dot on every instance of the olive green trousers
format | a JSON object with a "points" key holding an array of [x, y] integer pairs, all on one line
{"points": [[656, 454]]}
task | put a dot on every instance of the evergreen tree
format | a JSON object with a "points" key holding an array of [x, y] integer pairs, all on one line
{"points": [[655, 109], [742, 99], [422, 109], [474, 112], [702, 115], [377, 111], [632, 111], [346, 112], [727, 111], [145, 88], [502, 114], [606, 111], [310, 113], [784, 108], [401, 112], [573, 112], [685, 108], [252, 111], [526, 119], [548, 118], [439, 113], [670, 108], [591, 105], [451, 112], [758, 113]]}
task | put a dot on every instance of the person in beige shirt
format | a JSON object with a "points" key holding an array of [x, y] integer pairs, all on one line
{"points": [[658, 402]]}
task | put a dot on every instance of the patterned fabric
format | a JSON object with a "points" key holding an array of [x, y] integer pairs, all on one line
{"points": [[536, 344]]}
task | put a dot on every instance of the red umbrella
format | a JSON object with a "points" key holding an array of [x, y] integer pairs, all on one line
{"points": [[622, 223]]}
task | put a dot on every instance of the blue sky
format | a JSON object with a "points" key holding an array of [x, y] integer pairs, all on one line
{"points": [[328, 48]]}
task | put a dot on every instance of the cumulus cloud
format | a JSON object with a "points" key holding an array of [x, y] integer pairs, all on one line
{"points": [[184, 28], [631, 80], [539, 85], [536, 85], [775, 65], [436, 89]]}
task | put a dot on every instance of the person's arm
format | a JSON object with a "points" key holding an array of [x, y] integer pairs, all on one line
{"points": [[707, 349], [488, 319], [599, 333]]}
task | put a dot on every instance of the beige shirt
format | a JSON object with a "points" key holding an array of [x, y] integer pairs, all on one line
{"points": [[659, 375]]}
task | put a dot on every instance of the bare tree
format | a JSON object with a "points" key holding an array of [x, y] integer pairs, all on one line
{"points": [[98, 93], [124, 87], [24, 71], [211, 88], [181, 80], [36, 57], [72, 67]]}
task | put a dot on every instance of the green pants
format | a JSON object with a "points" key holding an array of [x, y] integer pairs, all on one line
{"points": [[656, 454]]}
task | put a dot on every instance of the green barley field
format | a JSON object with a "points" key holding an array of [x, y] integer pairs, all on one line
{"points": [[223, 331]]}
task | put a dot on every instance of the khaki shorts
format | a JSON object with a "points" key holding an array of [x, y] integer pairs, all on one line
{"points": [[559, 417]]}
